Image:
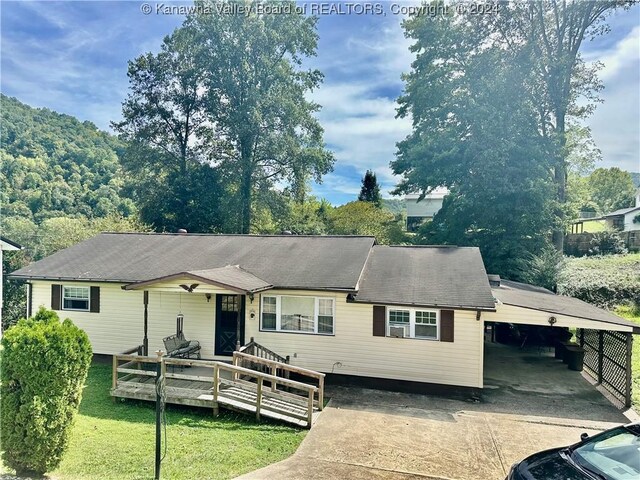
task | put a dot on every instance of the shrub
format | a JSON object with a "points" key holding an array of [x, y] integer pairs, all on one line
{"points": [[607, 243], [604, 281], [44, 366], [544, 269]]}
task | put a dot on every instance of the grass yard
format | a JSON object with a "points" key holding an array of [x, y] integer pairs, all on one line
{"points": [[117, 440], [633, 315]]}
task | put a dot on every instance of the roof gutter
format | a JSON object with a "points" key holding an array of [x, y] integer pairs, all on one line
{"points": [[455, 307]]}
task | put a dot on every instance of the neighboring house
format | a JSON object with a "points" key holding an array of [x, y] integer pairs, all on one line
{"points": [[623, 219], [337, 304], [8, 245], [419, 211]]}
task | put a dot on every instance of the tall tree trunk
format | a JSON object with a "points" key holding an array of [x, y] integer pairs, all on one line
{"points": [[560, 177], [246, 187]]}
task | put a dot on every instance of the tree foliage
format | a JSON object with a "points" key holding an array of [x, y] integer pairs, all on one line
{"points": [[611, 189], [474, 131], [370, 191], [364, 218], [228, 92], [54, 165], [44, 366], [496, 94]]}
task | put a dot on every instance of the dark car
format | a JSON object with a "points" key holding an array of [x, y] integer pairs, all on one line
{"points": [[610, 455]]}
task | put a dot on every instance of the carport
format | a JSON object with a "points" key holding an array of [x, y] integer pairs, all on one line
{"points": [[606, 338]]}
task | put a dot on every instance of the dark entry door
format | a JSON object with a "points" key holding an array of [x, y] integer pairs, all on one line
{"points": [[226, 323]]}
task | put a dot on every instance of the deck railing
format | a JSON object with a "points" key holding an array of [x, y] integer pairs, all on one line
{"points": [[285, 369], [129, 365]]}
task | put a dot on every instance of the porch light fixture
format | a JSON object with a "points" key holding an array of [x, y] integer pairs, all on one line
{"points": [[552, 321], [208, 295]]}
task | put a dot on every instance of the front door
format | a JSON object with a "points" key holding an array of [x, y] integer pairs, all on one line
{"points": [[227, 307]]}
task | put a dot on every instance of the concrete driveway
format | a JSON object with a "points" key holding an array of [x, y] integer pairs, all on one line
{"points": [[531, 402]]}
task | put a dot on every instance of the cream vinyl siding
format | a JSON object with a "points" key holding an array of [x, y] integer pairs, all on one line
{"points": [[119, 325], [520, 315], [353, 350]]}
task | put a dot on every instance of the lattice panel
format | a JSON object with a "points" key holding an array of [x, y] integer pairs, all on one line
{"points": [[591, 352], [614, 361]]}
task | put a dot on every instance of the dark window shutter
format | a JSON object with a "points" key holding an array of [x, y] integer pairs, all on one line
{"points": [[446, 325], [95, 299], [56, 296], [379, 321]]}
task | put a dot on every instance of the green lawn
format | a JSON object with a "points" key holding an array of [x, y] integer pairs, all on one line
{"points": [[117, 440], [633, 315]]}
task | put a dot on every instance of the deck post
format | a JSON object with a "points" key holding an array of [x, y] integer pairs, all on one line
{"points": [[216, 381], [159, 407], [114, 379], [258, 398], [310, 408], [274, 371], [321, 393]]}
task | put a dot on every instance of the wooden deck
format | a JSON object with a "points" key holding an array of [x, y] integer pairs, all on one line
{"points": [[215, 385]]}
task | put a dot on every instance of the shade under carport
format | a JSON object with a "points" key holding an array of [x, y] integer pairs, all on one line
{"points": [[606, 338]]}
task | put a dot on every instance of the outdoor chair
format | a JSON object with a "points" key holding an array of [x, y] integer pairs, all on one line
{"points": [[179, 347]]}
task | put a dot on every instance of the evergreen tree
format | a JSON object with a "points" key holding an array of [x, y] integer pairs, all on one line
{"points": [[370, 191]]}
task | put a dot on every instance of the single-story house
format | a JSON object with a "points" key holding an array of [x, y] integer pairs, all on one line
{"points": [[341, 305]]}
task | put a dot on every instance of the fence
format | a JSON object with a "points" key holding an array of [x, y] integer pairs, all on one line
{"points": [[608, 360]]}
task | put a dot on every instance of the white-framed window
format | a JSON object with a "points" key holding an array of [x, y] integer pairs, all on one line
{"points": [[301, 314], [75, 298], [413, 323]]}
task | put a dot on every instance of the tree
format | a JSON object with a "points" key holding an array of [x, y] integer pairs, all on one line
{"points": [[364, 218], [544, 38], [370, 191], [264, 128], [474, 132], [611, 189], [167, 133]]}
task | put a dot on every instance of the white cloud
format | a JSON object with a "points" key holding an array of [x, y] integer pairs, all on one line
{"points": [[358, 104], [615, 124]]}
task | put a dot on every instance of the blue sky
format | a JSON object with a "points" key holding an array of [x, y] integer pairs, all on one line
{"points": [[72, 57]]}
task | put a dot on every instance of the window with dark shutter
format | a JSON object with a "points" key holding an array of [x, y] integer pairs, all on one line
{"points": [[446, 325], [95, 300], [56, 295], [379, 321]]}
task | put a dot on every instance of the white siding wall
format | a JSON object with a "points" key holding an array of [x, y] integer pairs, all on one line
{"points": [[119, 325], [527, 316], [353, 350]]}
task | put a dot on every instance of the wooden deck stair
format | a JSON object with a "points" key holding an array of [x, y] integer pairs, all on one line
{"points": [[215, 385]]}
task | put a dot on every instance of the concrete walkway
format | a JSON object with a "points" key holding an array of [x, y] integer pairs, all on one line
{"points": [[532, 402]]}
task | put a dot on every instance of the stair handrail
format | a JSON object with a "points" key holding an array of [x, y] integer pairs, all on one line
{"points": [[258, 350]]}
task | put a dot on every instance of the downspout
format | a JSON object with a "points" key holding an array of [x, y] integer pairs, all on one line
{"points": [[145, 340]]}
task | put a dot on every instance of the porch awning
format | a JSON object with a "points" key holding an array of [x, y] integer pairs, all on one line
{"points": [[538, 298], [231, 277]]}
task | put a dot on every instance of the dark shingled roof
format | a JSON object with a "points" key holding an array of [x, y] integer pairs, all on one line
{"points": [[231, 276], [538, 298], [287, 261], [426, 276]]}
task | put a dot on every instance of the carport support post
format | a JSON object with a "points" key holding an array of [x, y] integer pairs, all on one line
{"points": [[627, 390], [600, 354]]}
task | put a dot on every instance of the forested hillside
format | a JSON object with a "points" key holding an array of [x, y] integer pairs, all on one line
{"points": [[60, 183], [54, 165]]}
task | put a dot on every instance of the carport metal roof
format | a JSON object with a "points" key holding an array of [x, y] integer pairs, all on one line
{"points": [[541, 299]]}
